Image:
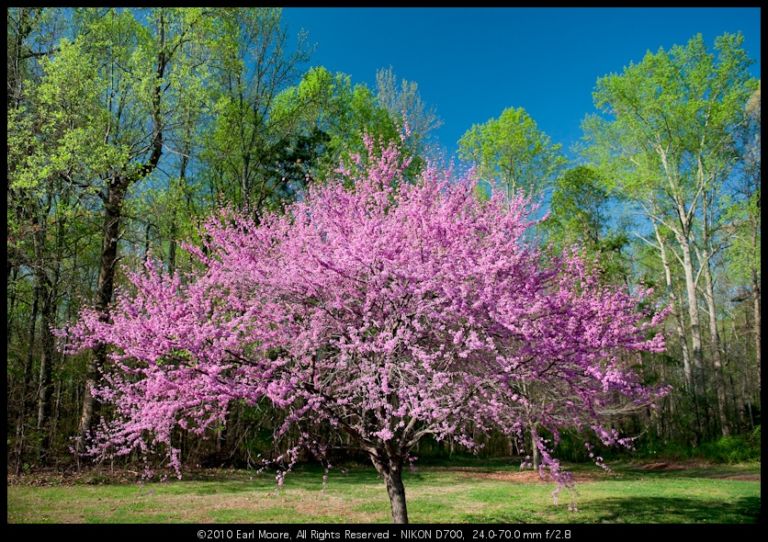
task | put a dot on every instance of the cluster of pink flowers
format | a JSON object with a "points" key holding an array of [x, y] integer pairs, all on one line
{"points": [[375, 307]]}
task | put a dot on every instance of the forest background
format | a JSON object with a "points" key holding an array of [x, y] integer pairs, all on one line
{"points": [[127, 128]]}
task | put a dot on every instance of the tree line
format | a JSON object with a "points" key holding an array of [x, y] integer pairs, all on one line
{"points": [[127, 128]]}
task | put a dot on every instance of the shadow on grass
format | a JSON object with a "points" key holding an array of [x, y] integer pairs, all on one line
{"points": [[674, 510], [639, 510]]}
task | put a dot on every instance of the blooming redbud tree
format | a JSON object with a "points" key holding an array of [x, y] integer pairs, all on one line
{"points": [[376, 308]]}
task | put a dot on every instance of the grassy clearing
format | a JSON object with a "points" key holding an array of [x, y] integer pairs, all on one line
{"points": [[657, 493]]}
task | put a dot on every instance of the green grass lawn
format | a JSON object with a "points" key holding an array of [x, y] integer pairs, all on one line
{"points": [[495, 493]]}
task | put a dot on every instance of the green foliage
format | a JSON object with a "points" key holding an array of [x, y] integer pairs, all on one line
{"points": [[743, 253], [250, 66], [69, 125], [726, 449], [659, 115], [338, 113], [579, 216], [513, 151], [733, 449]]}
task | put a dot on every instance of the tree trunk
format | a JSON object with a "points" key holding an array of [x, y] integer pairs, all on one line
{"points": [[55, 414], [107, 264], [756, 322], [714, 344], [113, 202], [693, 311], [392, 472], [396, 492], [172, 245], [675, 310], [699, 380], [174, 219], [45, 390], [19, 452], [46, 368], [10, 280]]}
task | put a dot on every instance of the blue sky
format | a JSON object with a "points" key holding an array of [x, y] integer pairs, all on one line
{"points": [[473, 63]]}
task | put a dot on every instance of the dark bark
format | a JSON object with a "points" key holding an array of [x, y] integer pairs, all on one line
{"points": [[396, 492], [10, 280], [47, 356], [110, 236], [392, 472], [26, 380], [174, 220]]}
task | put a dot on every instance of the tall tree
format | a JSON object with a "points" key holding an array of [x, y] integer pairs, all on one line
{"points": [[743, 254], [512, 151], [403, 102], [40, 141], [135, 62], [253, 66], [665, 142], [330, 104]]}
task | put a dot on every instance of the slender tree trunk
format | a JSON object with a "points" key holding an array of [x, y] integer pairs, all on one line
{"points": [[174, 227], [746, 377], [26, 379], [699, 377], [10, 280], [679, 328], [671, 409], [172, 245], [756, 323], [738, 398], [46, 368], [48, 354], [55, 413], [714, 343], [147, 240]]}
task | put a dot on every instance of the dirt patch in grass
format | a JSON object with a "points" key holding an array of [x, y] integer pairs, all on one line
{"points": [[663, 466], [344, 508], [750, 477], [746, 477], [675, 465]]}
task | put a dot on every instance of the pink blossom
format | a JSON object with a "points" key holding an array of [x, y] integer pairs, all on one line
{"points": [[388, 311]]}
